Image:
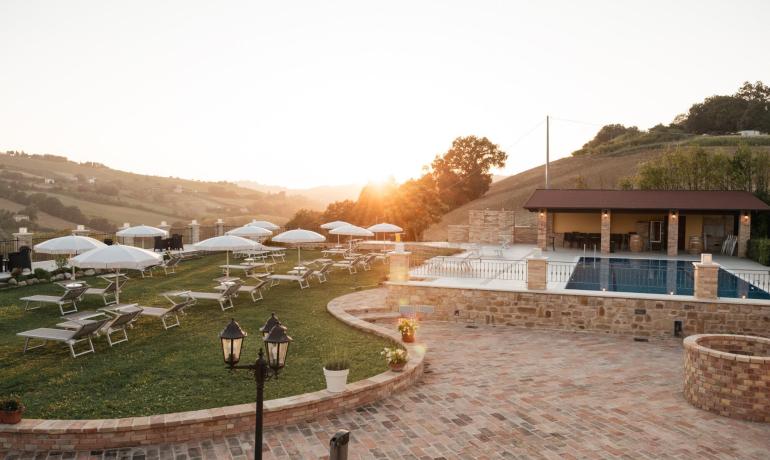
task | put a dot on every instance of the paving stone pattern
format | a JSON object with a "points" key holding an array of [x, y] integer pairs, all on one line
{"points": [[503, 392]]}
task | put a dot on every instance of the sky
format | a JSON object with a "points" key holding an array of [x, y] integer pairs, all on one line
{"points": [[307, 93]]}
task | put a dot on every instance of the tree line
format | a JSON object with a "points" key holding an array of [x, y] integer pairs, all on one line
{"points": [[747, 109], [459, 176]]}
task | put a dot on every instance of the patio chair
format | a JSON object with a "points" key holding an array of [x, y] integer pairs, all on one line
{"points": [[321, 273], [70, 297], [255, 291], [70, 338], [365, 262], [303, 279], [223, 298], [109, 291], [167, 313], [169, 265]]}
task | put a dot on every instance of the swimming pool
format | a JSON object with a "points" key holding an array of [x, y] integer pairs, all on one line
{"points": [[651, 276]]}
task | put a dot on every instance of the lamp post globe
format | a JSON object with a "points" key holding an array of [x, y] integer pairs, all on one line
{"points": [[277, 347], [232, 340]]}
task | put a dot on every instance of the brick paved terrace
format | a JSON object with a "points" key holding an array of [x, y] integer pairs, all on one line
{"points": [[503, 392]]}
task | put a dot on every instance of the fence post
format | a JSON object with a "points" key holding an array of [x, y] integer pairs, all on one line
{"points": [[537, 270], [706, 278], [81, 230], [164, 226], [195, 232], [219, 227], [23, 238], [127, 240], [338, 445], [399, 264]]}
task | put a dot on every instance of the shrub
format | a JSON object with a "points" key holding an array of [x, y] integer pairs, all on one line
{"points": [[759, 250], [42, 274]]}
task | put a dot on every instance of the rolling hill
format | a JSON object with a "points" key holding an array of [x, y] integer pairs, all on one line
{"points": [[592, 171], [118, 196]]}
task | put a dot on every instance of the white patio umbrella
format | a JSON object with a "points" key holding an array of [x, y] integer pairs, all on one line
{"points": [[116, 257], [297, 237], [351, 231], [250, 231], [385, 228], [333, 225], [70, 245], [141, 231], [226, 243], [264, 224]]}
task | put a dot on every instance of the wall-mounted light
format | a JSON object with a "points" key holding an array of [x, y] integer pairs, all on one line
{"points": [[606, 213], [746, 217], [674, 214], [542, 213]]}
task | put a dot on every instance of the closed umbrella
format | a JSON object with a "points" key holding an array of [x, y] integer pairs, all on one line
{"points": [[116, 257], [333, 225], [141, 231], [299, 236], [385, 228], [264, 224], [226, 243], [70, 245], [351, 231]]}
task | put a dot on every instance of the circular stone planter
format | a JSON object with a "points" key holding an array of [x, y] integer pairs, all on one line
{"points": [[728, 375]]}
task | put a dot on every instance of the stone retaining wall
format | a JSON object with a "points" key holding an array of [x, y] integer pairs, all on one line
{"points": [[52, 435], [641, 318], [728, 375]]}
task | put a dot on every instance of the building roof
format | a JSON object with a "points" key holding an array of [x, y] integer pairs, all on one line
{"points": [[683, 200]]}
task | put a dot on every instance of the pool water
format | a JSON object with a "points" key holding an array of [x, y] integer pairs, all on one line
{"points": [[651, 276]]}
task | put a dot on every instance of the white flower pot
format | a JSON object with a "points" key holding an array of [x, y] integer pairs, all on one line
{"points": [[336, 380]]}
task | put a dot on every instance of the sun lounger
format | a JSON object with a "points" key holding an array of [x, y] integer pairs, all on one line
{"points": [[321, 273], [167, 313], [255, 291], [69, 337], [70, 297], [348, 264], [108, 291], [366, 261], [303, 279], [223, 298], [120, 317]]}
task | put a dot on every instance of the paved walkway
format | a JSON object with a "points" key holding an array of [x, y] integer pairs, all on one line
{"points": [[501, 392]]}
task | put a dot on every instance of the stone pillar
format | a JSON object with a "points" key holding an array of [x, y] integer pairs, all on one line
{"points": [[127, 240], [606, 226], [219, 227], [23, 238], [165, 226], [81, 230], [706, 278], [744, 233], [537, 268], [399, 264], [542, 229], [195, 231], [672, 236]]}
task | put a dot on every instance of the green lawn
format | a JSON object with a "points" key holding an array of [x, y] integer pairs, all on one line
{"points": [[159, 371]]}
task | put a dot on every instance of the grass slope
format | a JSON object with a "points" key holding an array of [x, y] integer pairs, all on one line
{"points": [[180, 369]]}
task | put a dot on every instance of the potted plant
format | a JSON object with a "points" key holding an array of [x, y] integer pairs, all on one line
{"points": [[407, 327], [395, 357], [11, 410], [336, 369]]}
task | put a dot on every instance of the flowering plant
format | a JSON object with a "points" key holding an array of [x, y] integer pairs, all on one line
{"points": [[407, 326], [395, 356]]}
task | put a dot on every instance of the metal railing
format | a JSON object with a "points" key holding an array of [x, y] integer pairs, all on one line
{"points": [[759, 279], [603, 276], [469, 267], [559, 272]]}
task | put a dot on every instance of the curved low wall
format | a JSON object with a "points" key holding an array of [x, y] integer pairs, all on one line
{"points": [[728, 375], [38, 434]]}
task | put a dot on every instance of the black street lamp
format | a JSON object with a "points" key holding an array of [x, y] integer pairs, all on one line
{"points": [[276, 347]]}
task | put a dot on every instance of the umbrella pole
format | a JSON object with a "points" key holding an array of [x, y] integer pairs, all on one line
{"points": [[73, 267], [227, 264], [117, 286], [299, 255]]}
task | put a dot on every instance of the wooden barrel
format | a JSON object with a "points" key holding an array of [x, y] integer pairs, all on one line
{"points": [[695, 245], [635, 243]]}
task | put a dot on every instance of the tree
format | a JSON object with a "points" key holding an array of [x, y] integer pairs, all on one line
{"points": [[462, 173], [305, 218], [415, 206], [340, 210]]}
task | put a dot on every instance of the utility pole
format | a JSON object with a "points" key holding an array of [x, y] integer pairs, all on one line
{"points": [[547, 148]]}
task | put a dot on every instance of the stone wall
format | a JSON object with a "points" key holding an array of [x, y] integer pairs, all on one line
{"points": [[487, 226], [728, 375], [458, 233], [641, 318]]}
